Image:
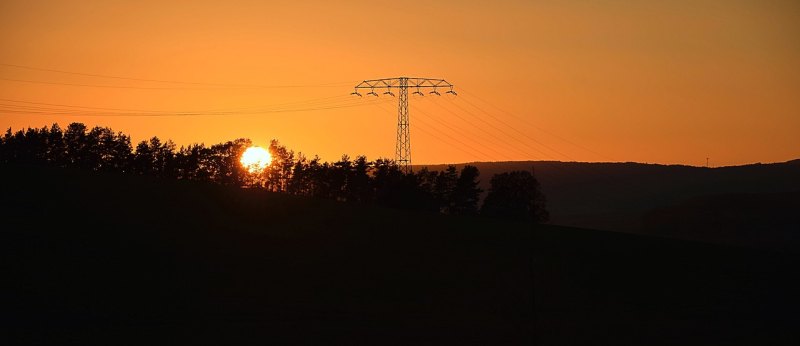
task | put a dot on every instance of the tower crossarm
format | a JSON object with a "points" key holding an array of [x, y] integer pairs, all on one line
{"points": [[389, 83]]}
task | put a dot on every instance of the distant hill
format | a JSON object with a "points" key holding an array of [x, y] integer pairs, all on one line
{"points": [[631, 196], [113, 259]]}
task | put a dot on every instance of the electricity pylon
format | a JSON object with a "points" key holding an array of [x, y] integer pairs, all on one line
{"points": [[402, 154]]}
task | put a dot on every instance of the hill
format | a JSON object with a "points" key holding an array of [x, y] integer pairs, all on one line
{"points": [[635, 197], [116, 259]]}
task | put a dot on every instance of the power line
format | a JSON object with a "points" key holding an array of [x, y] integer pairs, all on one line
{"points": [[516, 129], [96, 111], [101, 86], [431, 135], [565, 169], [467, 134], [222, 85], [320, 101], [159, 88], [508, 135], [528, 122], [484, 130], [448, 136]]}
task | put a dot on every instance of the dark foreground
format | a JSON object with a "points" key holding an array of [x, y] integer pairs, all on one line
{"points": [[127, 260]]}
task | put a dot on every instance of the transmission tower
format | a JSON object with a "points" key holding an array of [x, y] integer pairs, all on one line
{"points": [[402, 154]]}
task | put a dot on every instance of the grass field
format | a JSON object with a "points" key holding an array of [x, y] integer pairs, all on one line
{"points": [[117, 259]]}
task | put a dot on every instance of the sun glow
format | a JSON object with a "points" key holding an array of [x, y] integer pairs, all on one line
{"points": [[255, 159]]}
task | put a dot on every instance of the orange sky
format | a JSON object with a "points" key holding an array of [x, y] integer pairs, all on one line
{"points": [[646, 81]]}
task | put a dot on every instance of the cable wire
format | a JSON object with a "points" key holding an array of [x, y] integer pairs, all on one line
{"points": [[254, 86]]}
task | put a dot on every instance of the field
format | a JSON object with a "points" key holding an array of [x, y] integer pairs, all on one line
{"points": [[116, 259]]}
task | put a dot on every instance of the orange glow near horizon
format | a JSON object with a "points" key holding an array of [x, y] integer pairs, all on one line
{"points": [[657, 82]]}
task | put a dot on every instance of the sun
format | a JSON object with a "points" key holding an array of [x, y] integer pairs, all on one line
{"points": [[255, 159]]}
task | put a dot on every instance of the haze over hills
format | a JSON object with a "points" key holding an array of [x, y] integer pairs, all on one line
{"points": [[643, 198]]}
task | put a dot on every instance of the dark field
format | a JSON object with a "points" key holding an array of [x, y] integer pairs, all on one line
{"points": [[114, 259]]}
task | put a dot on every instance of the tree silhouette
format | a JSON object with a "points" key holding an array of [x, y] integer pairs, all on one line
{"points": [[426, 186], [106, 150], [515, 195], [143, 159], [155, 158], [226, 168], [316, 173], [76, 146], [280, 169], [340, 172], [193, 163], [56, 148], [386, 180], [358, 182], [443, 188], [465, 195], [7, 147], [34, 145], [299, 183]]}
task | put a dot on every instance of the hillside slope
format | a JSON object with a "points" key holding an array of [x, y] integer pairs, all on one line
{"points": [[130, 260], [622, 196]]}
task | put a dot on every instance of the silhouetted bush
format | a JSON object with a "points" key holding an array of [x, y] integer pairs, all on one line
{"points": [[515, 195]]}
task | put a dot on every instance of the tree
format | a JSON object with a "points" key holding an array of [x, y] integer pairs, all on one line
{"points": [[106, 150], [224, 161], [280, 169], [6, 152], [358, 181], [76, 146], [35, 145], [300, 180], [386, 180], [193, 163], [340, 171], [96, 140], [143, 159], [443, 188], [56, 149], [515, 195], [465, 196], [318, 182]]}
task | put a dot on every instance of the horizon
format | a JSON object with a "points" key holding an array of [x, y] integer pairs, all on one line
{"points": [[661, 83], [710, 165], [421, 165]]}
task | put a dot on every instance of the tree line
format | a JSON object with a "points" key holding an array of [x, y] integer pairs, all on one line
{"points": [[513, 195]]}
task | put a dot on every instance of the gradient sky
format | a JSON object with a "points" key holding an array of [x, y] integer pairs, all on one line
{"points": [[645, 81]]}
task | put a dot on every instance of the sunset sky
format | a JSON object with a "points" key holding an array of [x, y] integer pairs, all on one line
{"points": [[644, 81]]}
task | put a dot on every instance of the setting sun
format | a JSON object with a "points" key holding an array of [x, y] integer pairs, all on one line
{"points": [[255, 159]]}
